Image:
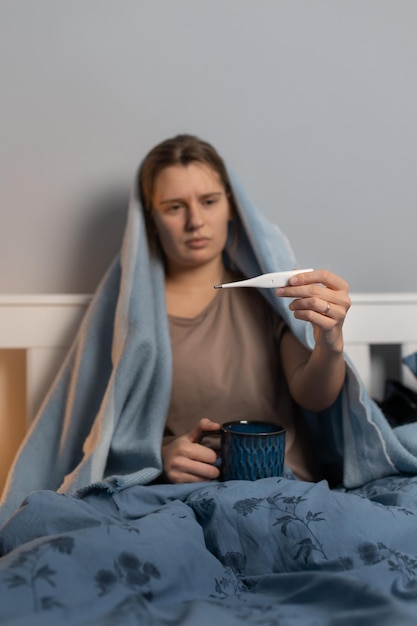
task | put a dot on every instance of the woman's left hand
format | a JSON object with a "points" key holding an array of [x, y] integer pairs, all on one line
{"points": [[321, 298]]}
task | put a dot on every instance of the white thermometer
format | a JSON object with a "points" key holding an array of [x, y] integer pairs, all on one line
{"points": [[272, 280]]}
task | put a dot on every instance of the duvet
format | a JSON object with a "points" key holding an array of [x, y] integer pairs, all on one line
{"points": [[272, 552]]}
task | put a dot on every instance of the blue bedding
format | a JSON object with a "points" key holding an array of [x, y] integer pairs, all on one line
{"points": [[103, 419], [275, 551], [95, 544]]}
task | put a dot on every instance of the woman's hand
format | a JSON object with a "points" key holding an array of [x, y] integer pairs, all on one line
{"points": [[321, 298], [316, 378], [186, 461]]}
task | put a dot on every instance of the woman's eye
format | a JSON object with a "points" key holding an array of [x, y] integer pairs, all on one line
{"points": [[210, 201]]}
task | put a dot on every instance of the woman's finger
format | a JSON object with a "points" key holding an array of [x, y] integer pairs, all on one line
{"points": [[204, 424], [320, 305], [323, 277], [188, 470]]}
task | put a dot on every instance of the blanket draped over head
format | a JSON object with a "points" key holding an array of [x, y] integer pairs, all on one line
{"points": [[102, 422]]}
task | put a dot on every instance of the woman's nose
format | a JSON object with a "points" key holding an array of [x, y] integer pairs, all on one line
{"points": [[194, 218]]}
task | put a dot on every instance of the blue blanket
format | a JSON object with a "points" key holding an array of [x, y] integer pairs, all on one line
{"points": [[272, 552], [97, 543], [103, 420]]}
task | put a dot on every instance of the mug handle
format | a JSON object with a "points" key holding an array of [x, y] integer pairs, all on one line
{"points": [[206, 433]]}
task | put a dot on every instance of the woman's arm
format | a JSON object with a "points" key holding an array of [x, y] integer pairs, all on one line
{"points": [[316, 378]]}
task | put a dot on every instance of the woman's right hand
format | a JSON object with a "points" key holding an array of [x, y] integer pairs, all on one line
{"points": [[186, 461]]}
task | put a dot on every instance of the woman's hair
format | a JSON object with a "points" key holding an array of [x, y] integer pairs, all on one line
{"points": [[179, 150]]}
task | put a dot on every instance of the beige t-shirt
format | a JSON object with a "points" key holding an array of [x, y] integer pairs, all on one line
{"points": [[226, 366]]}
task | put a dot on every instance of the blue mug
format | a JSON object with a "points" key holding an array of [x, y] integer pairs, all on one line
{"points": [[250, 450]]}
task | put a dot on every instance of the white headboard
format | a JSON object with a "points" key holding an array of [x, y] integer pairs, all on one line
{"points": [[36, 331], [45, 325], [379, 330]]}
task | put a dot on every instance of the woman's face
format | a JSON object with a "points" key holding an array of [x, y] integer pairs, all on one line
{"points": [[191, 211]]}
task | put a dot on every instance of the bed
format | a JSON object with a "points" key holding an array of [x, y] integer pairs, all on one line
{"points": [[276, 551], [380, 328]]}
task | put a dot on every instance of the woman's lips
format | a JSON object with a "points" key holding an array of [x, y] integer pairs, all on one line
{"points": [[198, 242]]}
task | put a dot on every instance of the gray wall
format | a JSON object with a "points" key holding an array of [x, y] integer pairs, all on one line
{"points": [[312, 102]]}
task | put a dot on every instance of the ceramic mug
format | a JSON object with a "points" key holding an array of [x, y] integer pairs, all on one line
{"points": [[250, 450]]}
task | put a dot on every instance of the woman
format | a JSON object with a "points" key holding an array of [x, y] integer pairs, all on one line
{"points": [[114, 546], [159, 348], [220, 338]]}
